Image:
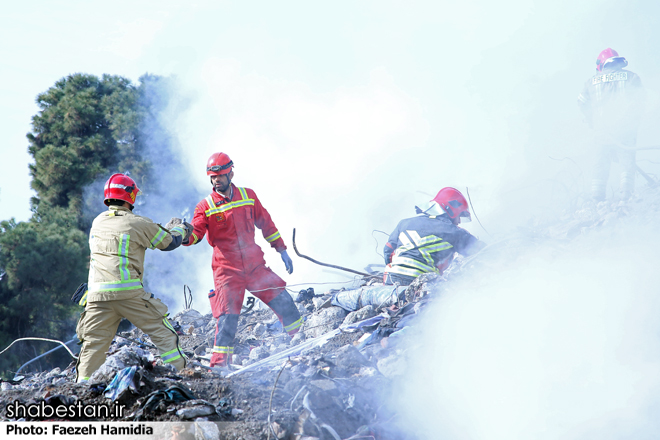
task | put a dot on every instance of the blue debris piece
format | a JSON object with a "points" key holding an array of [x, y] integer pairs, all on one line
{"points": [[123, 380]]}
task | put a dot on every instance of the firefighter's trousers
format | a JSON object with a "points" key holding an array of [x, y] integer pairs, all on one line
{"points": [[601, 171], [98, 324], [227, 299]]}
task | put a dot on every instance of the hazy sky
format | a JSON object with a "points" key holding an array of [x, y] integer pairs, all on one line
{"points": [[342, 115]]}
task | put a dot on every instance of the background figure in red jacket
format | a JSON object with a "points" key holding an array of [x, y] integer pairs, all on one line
{"points": [[228, 216], [611, 102]]}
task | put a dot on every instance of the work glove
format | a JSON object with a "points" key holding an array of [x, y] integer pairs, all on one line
{"points": [[287, 261], [189, 231], [174, 221]]}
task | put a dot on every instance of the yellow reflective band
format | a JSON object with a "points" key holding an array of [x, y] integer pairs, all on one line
{"points": [[178, 229], [213, 209], [167, 361], [405, 271], [225, 350], [405, 261], [83, 300], [158, 237], [168, 325], [115, 286], [272, 237], [437, 247], [195, 239], [170, 356], [209, 200], [229, 206], [294, 326], [124, 241]]}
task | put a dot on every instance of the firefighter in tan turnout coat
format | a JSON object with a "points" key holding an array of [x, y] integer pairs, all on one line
{"points": [[118, 240]]}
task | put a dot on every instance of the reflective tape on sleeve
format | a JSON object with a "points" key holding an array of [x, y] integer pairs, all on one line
{"points": [[158, 237], [179, 230], [272, 237]]}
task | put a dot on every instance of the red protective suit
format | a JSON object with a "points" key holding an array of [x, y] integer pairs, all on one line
{"points": [[238, 263]]}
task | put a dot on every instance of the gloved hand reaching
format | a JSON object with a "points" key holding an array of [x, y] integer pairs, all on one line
{"points": [[174, 221], [185, 228], [189, 231], [287, 261]]}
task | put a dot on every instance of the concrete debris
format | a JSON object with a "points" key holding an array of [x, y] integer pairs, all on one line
{"points": [[329, 381], [325, 320], [196, 408], [127, 356]]}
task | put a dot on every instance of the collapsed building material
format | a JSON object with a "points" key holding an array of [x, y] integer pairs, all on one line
{"points": [[375, 295]]}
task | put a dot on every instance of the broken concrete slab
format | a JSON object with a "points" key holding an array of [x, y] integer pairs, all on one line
{"points": [[324, 321]]}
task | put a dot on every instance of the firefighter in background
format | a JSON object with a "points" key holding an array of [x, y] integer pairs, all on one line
{"points": [[428, 242], [118, 240], [229, 216], [611, 102]]}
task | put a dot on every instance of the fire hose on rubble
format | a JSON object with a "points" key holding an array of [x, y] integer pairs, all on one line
{"points": [[326, 264]]}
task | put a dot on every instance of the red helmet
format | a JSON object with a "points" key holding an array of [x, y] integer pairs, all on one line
{"points": [[453, 203], [609, 56], [120, 187], [218, 164]]}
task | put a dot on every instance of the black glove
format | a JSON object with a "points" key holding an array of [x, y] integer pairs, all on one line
{"points": [[189, 231], [79, 293]]}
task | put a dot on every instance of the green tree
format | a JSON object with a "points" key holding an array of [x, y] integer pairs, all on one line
{"points": [[86, 128], [85, 125], [43, 261]]}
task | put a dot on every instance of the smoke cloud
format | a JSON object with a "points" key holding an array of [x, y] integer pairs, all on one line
{"points": [[343, 117], [558, 340]]}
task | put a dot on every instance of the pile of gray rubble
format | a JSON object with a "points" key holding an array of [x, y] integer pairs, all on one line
{"points": [[327, 382]]}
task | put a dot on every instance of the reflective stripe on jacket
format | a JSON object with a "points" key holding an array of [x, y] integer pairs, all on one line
{"points": [[230, 225], [425, 244], [117, 242]]}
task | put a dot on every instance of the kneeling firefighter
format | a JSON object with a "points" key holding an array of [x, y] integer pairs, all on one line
{"points": [[428, 242], [118, 240]]}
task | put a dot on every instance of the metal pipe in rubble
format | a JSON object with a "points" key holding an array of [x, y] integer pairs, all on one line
{"points": [[326, 264]]}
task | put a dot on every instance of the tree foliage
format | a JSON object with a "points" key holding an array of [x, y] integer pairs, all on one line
{"points": [[85, 125], [86, 128]]}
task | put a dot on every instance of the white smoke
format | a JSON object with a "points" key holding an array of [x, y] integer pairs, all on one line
{"points": [[558, 341]]}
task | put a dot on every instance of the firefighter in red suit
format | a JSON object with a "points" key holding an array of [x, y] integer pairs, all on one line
{"points": [[228, 216]]}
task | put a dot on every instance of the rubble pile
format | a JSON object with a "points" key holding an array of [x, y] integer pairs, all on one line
{"points": [[329, 381]]}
